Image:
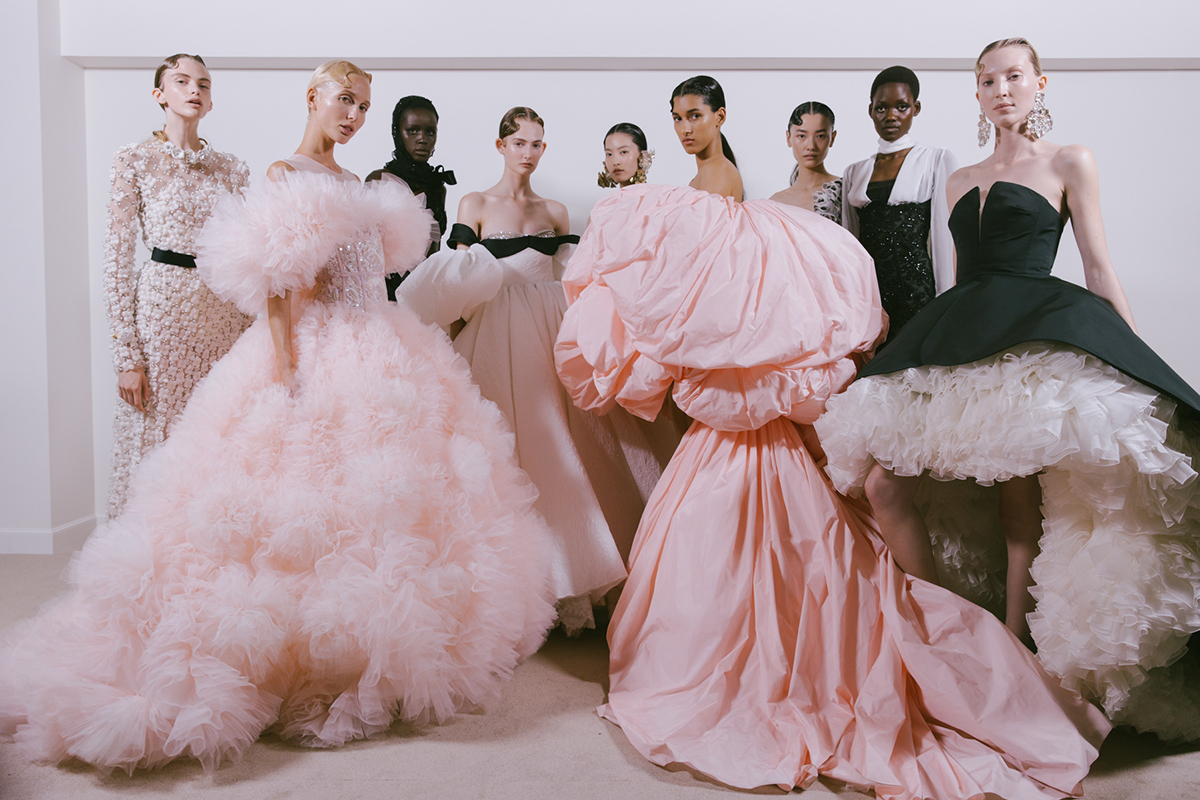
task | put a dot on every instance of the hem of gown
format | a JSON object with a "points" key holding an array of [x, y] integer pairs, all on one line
{"points": [[1117, 582]]}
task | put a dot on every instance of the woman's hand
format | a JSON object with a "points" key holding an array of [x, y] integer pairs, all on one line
{"points": [[134, 388]]}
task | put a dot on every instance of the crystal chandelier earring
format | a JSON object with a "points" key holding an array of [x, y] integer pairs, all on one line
{"points": [[985, 129], [1038, 122]]}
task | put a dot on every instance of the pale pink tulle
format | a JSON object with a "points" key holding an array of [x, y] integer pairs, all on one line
{"points": [[279, 234], [318, 561]]}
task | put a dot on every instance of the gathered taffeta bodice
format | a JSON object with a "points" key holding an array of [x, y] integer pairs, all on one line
{"points": [[353, 276], [1017, 232]]}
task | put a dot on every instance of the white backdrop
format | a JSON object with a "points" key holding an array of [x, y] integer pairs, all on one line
{"points": [[1122, 84]]}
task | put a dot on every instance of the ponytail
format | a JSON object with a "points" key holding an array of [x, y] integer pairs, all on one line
{"points": [[727, 150]]}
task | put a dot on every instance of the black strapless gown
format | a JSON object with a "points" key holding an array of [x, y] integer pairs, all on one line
{"points": [[1013, 372]]}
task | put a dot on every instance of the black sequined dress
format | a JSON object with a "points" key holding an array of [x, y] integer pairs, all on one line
{"points": [[897, 237]]}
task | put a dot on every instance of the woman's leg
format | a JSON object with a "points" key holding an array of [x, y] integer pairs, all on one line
{"points": [[1021, 518], [900, 522]]}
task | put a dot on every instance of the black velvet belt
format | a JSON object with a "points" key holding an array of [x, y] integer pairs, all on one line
{"points": [[173, 258]]}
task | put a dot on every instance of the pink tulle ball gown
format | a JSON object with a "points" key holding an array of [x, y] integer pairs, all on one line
{"points": [[765, 635], [317, 561]]}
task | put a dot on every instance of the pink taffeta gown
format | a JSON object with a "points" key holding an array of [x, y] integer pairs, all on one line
{"points": [[765, 635]]}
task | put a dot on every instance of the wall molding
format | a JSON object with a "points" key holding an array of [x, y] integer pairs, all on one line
{"points": [[47, 541], [638, 64]]}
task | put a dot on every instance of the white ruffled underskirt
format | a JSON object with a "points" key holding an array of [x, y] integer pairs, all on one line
{"points": [[1118, 578]]}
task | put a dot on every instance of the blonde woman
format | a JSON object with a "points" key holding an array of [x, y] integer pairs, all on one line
{"points": [[168, 328], [336, 534]]}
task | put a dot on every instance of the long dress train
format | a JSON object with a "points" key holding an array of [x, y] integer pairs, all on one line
{"points": [[764, 635]]}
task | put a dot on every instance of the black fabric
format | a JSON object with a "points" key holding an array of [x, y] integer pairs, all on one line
{"points": [[503, 248], [173, 258], [1005, 296], [897, 237], [461, 234], [424, 179]]}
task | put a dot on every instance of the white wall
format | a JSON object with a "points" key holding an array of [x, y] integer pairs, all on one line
{"points": [[1119, 83]]}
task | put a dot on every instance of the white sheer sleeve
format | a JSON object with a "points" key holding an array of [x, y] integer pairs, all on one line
{"points": [[941, 244], [120, 271]]}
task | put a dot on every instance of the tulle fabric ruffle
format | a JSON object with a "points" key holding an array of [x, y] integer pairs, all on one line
{"points": [[1118, 578], [319, 562]]}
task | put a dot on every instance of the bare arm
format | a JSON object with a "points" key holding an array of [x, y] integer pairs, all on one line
{"points": [[561, 217], [470, 213], [279, 309], [1082, 185]]}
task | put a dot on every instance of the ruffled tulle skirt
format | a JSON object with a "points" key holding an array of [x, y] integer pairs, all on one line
{"points": [[1118, 578], [317, 561]]}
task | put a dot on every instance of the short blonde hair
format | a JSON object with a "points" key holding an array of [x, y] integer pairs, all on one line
{"points": [[1016, 41], [338, 72]]}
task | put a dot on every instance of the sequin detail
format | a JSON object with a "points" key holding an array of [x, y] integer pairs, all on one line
{"points": [[546, 234], [353, 276], [162, 318], [897, 237]]}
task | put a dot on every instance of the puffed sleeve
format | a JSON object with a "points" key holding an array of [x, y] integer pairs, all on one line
{"points": [[941, 244], [120, 274]]}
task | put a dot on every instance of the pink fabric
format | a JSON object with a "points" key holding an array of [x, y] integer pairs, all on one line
{"points": [[764, 635]]}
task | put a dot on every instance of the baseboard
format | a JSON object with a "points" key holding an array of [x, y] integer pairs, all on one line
{"points": [[62, 539]]}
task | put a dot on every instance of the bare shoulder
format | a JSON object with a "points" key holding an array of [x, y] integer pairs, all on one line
{"points": [[1073, 162], [471, 207], [562, 218], [960, 182], [279, 170]]}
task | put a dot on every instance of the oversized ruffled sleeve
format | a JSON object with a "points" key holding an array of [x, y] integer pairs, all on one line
{"points": [[278, 235], [754, 311], [451, 284]]}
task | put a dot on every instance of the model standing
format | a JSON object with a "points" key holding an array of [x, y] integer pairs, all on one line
{"points": [[414, 134], [592, 473], [1018, 379], [895, 202], [764, 635], [168, 328], [810, 134], [336, 533]]}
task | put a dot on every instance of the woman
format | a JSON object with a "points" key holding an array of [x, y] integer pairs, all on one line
{"points": [[698, 111], [810, 134], [895, 203], [414, 134], [764, 635], [592, 474], [334, 536], [1021, 380], [627, 157], [168, 329]]}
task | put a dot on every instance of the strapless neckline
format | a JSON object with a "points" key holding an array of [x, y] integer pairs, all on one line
{"points": [[981, 205]]}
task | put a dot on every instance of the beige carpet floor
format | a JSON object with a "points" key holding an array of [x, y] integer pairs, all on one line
{"points": [[542, 741]]}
